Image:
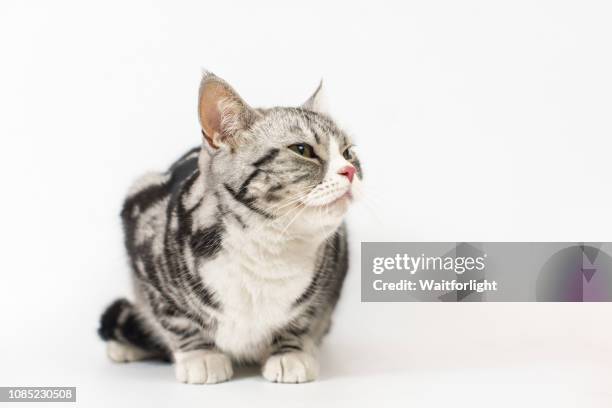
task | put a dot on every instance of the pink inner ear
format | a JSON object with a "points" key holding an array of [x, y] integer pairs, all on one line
{"points": [[210, 116]]}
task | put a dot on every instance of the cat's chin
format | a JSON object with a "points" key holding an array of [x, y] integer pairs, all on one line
{"points": [[317, 220], [333, 209], [329, 215]]}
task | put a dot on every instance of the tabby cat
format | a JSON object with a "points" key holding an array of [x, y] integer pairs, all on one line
{"points": [[238, 251]]}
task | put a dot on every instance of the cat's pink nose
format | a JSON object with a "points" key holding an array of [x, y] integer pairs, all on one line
{"points": [[348, 171]]}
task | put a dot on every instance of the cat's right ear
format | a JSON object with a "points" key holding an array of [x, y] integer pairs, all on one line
{"points": [[317, 102], [223, 113]]}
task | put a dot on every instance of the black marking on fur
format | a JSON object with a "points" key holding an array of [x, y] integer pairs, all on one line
{"points": [[300, 178], [311, 311], [316, 136], [149, 196], [207, 242], [270, 196], [285, 342], [268, 157], [174, 243], [341, 265], [143, 200], [276, 188], [110, 319], [182, 171], [195, 343], [183, 157], [330, 273], [297, 331], [224, 211], [135, 333], [286, 349], [121, 323], [357, 165], [244, 188], [238, 219], [204, 294], [311, 289], [150, 264], [247, 202], [180, 332]]}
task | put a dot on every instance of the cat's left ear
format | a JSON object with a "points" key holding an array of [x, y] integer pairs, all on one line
{"points": [[316, 102], [224, 115]]}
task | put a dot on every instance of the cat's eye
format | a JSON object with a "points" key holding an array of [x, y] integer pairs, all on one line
{"points": [[303, 149], [347, 153]]}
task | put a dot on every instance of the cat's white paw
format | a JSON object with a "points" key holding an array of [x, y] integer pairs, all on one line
{"points": [[202, 367], [125, 353], [294, 367]]}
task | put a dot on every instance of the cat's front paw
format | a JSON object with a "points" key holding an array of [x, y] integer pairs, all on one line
{"points": [[202, 367], [292, 368]]}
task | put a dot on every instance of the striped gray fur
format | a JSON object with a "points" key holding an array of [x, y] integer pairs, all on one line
{"points": [[234, 250]]}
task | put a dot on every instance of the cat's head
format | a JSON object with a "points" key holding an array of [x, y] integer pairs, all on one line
{"points": [[285, 164]]}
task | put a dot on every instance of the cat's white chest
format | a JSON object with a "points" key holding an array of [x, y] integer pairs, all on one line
{"points": [[257, 298]]}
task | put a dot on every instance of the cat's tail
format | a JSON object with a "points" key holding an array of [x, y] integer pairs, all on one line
{"points": [[122, 322]]}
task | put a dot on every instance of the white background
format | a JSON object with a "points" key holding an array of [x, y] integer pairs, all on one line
{"points": [[475, 121]]}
